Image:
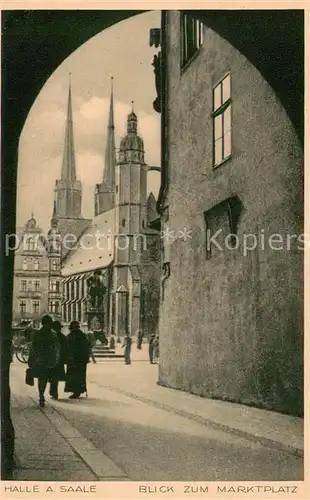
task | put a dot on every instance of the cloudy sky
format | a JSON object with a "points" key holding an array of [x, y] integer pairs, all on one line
{"points": [[122, 51]]}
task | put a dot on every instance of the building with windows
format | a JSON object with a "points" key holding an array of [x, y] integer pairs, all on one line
{"points": [[231, 198], [111, 279], [37, 274]]}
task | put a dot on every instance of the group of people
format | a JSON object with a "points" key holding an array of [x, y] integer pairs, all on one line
{"points": [[153, 347], [51, 351], [55, 357]]}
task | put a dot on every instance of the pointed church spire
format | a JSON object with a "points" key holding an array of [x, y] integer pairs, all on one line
{"points": [[54, 216], [68, 171], [110, 152]]}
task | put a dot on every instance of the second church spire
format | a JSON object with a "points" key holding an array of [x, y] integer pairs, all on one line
{"points": [[105, 192]]}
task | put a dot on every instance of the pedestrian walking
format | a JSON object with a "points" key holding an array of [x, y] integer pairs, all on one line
{"points": [[92, 341], [78, 352], [127, 344], [44, 355], [139, 339], [151, 348], [156, 349], [112, 342], [58, 373]]}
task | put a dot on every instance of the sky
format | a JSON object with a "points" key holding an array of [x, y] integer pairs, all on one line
{"points": [[121, 51]]}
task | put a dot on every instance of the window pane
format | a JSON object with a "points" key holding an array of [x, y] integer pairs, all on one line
{"points": [[185, 48], [201, 32], [226, 88], [218, 127], [217, 97], [218, 151], [227, 119], [227, 144]]}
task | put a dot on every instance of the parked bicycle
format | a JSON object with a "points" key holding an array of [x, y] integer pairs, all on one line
{"points": [[22, 354], [21, 343]]}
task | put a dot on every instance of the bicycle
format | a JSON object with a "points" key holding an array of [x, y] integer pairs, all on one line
{"points": [[23, 354]]}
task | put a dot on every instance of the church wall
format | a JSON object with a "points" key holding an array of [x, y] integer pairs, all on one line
{"points": [[150, 286], [69, 198], [231, 325]]}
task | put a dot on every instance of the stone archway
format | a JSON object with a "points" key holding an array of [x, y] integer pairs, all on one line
{"points": [[32, 50]]}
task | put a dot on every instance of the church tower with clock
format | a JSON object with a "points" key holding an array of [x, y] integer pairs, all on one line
{"points": [[130, 226]]}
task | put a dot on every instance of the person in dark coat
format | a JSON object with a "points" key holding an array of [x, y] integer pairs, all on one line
{"points": [[151, 348], [156, 349], [59, 373], [127, 344], [78, 353], [44, 355], [92, 341], [139, 340]]}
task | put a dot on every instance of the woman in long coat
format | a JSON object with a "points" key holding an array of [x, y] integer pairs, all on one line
{"points": [[127, 344], [58, 373], [78, 352]]}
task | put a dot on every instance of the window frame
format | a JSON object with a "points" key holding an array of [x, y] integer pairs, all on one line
{"points": [[186, 61], [220, 111], [31, 244], [37, 285], [23, 285], [36, 307], [23, 306], [36, 265]]}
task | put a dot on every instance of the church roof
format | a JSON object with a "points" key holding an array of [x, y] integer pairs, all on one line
{"points": [[68, 171], [110, 150], [95, 247], [131, 142]]}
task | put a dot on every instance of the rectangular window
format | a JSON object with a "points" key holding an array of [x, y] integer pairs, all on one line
{"points": [[23, 285], [37, 286], [36, 307], [221, 223], [191, 37], [222, 121], [22, 306], [54, 306], [54, 286]]}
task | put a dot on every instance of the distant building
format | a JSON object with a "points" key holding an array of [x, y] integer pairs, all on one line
{"points": [[37, 274], [230, 319], [112, 278]]}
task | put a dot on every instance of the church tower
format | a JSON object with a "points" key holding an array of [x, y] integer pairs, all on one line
{"points": [[105, 192], [68, 189], [130, 213]]}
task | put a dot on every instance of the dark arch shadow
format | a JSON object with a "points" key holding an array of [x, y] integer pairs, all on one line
{"points": [[32, 49]]}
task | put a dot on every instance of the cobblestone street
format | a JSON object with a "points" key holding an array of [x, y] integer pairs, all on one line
{"points": [[129, 428]]}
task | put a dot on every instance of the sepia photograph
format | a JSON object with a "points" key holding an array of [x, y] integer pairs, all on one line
{"points": [[153, 244]]}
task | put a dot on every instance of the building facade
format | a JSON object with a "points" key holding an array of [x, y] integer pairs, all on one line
{"points": [[233, 171], [112, 279], [37, 274]]}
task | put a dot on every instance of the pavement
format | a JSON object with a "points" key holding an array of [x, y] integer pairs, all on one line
{"points": [[88, 439]]}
